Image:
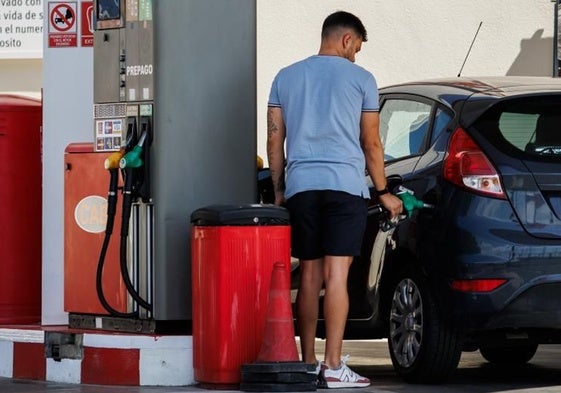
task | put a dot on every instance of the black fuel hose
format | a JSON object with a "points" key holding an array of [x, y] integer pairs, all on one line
{"points": [[126, 213], [111, 211]]}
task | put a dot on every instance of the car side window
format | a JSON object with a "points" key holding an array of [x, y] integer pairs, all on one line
{"points": [[404, 125], [441, 120]]}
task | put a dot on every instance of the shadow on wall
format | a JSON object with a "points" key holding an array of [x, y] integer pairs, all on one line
{"points": [[535, 57]]}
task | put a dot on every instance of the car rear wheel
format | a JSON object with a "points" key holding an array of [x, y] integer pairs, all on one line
{"points": [[423, 348], [512, 355]]}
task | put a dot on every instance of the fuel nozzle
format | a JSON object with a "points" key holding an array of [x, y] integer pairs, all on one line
{"points": [[410, 202], [112, 161], [133, 158]]}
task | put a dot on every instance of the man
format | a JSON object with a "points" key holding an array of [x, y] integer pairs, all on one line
{"points": [[326, 108]]}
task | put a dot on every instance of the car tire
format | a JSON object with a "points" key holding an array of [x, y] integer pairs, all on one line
{"points": [[423, 348], [511, 355]]}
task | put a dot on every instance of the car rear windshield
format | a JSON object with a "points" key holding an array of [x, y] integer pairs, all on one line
{"points": [[528, 126]]}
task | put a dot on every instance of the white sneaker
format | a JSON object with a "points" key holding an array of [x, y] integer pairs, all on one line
{"points": [[344, 377]]}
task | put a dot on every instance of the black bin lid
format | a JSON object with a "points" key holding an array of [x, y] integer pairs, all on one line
{"points": [[248, 214]]}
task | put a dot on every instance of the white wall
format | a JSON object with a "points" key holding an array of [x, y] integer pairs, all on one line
{"points": [[21, 75], [21, 42], [409, 40]]}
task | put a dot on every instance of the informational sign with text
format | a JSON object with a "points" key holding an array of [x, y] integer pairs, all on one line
{"points": [[21, 29], [63, 30]]}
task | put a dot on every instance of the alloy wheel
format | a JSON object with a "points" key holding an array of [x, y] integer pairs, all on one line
{"points": [[406, 322]]}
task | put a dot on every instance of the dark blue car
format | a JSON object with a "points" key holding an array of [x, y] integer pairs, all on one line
{"points": [[481, 270]]}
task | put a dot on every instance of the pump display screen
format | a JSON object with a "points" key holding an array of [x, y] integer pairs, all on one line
{"points": [[108, 9]]}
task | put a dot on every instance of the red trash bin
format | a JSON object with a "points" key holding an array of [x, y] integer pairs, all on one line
{"points": [[20, 209], [233, 250]]}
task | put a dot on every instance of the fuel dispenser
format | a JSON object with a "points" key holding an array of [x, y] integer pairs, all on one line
{"points": [[175, 107]]}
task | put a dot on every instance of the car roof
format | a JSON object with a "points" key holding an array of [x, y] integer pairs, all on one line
{"points": [[450, 90]]}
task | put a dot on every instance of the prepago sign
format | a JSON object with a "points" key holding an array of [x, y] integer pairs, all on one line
{"points": [[21, 29]]}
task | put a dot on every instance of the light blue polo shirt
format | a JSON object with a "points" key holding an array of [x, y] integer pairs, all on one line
{"points": [[322, 98]]}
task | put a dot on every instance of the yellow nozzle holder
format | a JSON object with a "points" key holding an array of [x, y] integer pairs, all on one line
{"points": [[112, 161], [259, 163]]}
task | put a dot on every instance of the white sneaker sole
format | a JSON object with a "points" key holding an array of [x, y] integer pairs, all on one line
{"points": [[339, 385]]}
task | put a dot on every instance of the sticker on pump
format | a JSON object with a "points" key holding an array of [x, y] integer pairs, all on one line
{"points": [[91, 214]]}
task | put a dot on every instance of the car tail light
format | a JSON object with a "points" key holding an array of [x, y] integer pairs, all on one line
{"points": [[481, 285], [467, 166]]}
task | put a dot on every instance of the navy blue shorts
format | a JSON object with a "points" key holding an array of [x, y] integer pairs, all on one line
{"points": [[326, 222]]}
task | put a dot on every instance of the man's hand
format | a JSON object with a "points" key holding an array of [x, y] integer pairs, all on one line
{"points": [[392, 203], [279, 198]]}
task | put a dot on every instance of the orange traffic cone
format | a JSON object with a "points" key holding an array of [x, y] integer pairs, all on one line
{"points": [[278, 343], [277, 367]]}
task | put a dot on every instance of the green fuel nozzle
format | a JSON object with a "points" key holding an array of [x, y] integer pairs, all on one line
{"points": [[133, 158], [410, 202]]}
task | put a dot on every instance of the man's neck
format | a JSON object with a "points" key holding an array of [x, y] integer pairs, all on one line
{"points": [[329, 50]]}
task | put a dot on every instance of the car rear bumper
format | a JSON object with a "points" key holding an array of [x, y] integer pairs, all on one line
{"points": [[487, 242], [535, 307]]}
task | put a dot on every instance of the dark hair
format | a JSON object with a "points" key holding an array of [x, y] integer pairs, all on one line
{"points": [[343, 19]]}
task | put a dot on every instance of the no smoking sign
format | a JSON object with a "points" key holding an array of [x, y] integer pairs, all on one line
{"points": [[62, 24]]}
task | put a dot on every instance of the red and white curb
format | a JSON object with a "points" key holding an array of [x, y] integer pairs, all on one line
{"points": [[108, 359]]}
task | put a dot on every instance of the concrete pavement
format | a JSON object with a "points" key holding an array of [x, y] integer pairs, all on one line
{"points": [[370, 358]]}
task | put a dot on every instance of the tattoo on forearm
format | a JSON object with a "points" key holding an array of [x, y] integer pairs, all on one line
{"points": [[278, 180], [275, 151], [272, 126]]}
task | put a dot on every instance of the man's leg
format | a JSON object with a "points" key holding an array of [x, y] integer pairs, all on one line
{"points": [[335, 305], [336, 308], [307, 306], [344, 223]]}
